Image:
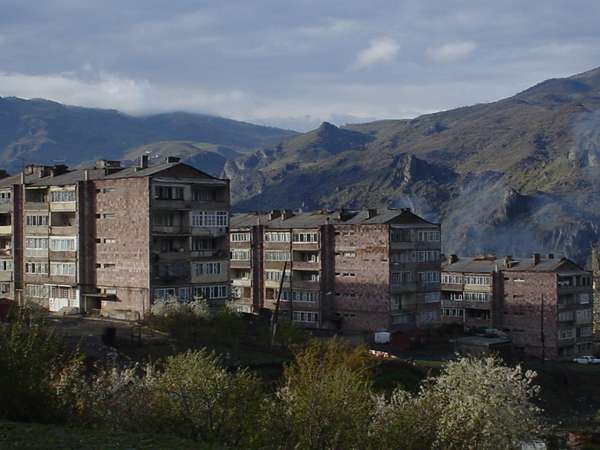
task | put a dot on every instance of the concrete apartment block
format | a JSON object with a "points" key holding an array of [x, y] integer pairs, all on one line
{"points": [[114, 238], [369, 270]]}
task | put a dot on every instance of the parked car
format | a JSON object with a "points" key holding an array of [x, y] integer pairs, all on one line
{"points": [[587, 360]]}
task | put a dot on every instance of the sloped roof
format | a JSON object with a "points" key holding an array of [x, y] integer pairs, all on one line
{"points": [[471, 264], [312, 219]]}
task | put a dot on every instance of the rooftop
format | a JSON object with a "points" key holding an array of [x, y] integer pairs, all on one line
{"points": [[312, 219], [489, 264]]}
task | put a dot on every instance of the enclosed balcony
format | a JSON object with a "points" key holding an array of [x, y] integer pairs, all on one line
{"points": [[5, 224]]}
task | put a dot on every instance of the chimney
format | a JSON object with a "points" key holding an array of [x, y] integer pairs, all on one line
{"points": [[452, 259], [286, 214], [371, 213], [143, 164], [274, 214], [86, 175], [508, 261], [536, 259], [405, 210], [173, 159]]}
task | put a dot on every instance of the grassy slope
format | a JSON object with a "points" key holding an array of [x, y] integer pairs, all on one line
{"points": [[33, 436]]}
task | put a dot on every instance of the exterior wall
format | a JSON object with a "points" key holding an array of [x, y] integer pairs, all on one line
{"points": [[184, 272], [362, 277], [119, 225], [415, 300], [525, 317]]}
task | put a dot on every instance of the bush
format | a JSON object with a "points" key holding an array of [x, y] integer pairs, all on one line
{"points": [[31, 357]]}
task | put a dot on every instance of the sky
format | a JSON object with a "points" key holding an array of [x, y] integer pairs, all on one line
{"points": [[291, 64]]}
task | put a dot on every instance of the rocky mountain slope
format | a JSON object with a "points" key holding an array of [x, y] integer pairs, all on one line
{"points": [[511, 177], [43, 131]]}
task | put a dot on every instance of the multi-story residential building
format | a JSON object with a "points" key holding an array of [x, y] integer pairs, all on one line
{"points": [[547, 307], [472, 291], [117, 238], [353, 270]]}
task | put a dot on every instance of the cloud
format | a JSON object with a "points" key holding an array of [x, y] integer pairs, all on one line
{"points": [[379, 50], [451, 52], [332, 27], [105, 90]]}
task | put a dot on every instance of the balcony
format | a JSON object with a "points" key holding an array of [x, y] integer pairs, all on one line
{"points": [[307, 265], [5, 230], [63, 206], [4, 252], [240, 264], [6, 207], [6, 275], [241, 282], [171, 230], [209, 231], [62, 230], [36, 252]]}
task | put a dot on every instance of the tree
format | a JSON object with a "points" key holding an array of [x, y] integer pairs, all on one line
{"points": [[479, 404], [326, 401]]}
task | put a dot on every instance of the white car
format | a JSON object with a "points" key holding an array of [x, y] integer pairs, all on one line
{"points": [[586, 360]]}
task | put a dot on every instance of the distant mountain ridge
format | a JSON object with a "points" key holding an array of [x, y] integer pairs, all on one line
{"points": [[510, 177], [40, 131]]}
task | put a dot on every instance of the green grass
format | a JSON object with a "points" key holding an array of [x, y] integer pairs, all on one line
{"points": [[31, 436]]}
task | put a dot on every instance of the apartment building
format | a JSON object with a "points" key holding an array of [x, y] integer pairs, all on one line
{"points": [[472, 291], [362, 270], [547, 307], [116, 238]]}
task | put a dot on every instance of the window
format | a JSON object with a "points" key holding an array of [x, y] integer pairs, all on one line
{"points": [[164, 293], [37, 290], [204, 219], [5, 288], [312, 277], [275, 275], [240, 255], [6, 265], [210, 292], [183, 294], [401, 235], [277, 236], [428, 236], [36, 221], [584, 315], [476, 296], [480, 280], [402, 277], [63, 269], [584, 298], [5, 196], [429, 277], [240, 237], [106, 190], [62, 196], [168, 193], [277, 255], [209, 268], [204, 195], [347, 254], [427, 255], [300, 296], [566, 333], [62, 292], [585, 331], [306, 316], [36, 243], [450, 278], [309, 257], [566, 316], [63, 244], [36, 268], [164, 220], [305, 237], [203, 244]]}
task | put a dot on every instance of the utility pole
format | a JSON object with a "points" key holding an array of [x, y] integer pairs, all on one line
{"points": [[275, 316], [542, 332], [291, 278]]}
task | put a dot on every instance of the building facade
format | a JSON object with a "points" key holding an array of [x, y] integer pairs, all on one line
{"points": [[547, 307], [366, 270], [472, 291], [115, 238]]}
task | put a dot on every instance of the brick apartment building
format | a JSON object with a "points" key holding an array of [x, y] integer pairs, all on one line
{"points": [[544, 304], [113, 237], [368, 270], [471, 291], [547, 307]]}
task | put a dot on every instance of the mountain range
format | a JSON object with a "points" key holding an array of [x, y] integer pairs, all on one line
{"points": [[512, 177]]}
